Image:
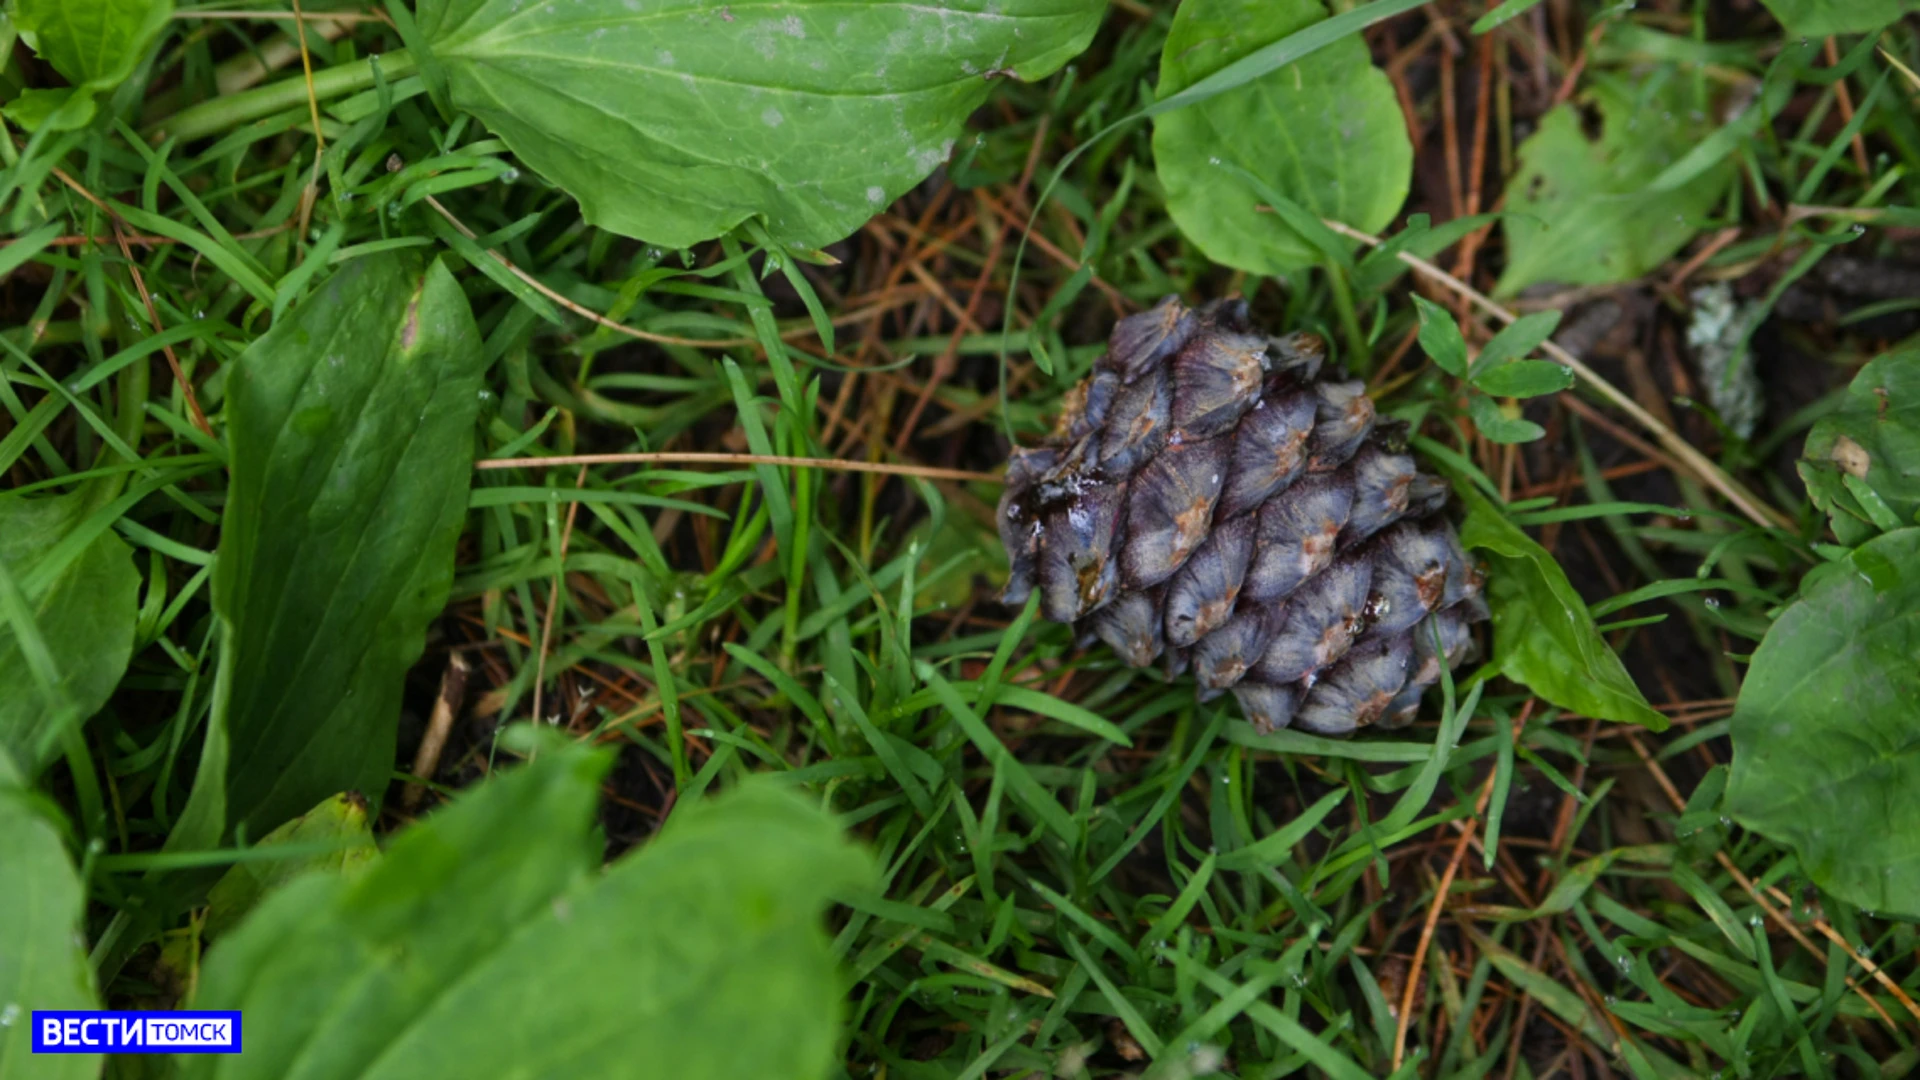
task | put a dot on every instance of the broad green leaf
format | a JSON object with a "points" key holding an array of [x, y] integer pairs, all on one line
{"points": [[700, 956], [674, 121], [83, 619], [1324, 132], [347, 964], [43, 955], [1582, 212], [338, 826], [351, 428], [1542, 634], [1825, 753], [1440, 337], [1823, 18], [1873, 438], [93, 44], [1524, 379]]}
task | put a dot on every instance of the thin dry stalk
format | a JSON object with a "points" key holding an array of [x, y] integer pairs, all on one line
{"points": [[553, 598], [453, 693], [1440, 892], [1701, 466], [140, 286], [601, 320], [675, 457], [312, 190], [288, 16], [1844, 98]]}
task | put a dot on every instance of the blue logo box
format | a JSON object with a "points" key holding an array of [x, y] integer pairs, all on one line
{"points": [[98, 1031]]}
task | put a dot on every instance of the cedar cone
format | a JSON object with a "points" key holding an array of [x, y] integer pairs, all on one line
{"points": [[1209, 497]]}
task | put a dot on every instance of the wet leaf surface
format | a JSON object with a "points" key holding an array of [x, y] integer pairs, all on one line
{"points": [[1542, 634], [674, 122], [351, 427], [1826, 736], [1862, 462]]}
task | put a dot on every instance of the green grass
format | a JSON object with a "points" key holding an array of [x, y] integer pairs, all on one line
{"points": [[1084, 871]]}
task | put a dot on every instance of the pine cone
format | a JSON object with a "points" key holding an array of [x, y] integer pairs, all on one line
{"points": [[1208, 497]]}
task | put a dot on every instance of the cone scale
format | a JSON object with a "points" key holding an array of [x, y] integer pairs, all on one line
{"points": [[1208, 500]]}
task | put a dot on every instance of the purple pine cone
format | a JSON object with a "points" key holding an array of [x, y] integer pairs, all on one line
{"points": [[1209, 500]]}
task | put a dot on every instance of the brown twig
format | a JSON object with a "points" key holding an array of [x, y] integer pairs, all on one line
{"points": [[290, 16], [453, 693], [140, 286], [1440, 898], [312, 190], [671, 457], [1699, 258], [598, 319], [1476, 169], [1844, 98], [553, 598]]}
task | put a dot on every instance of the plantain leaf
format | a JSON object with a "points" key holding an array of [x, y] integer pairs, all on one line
{"points": [[93, 44], [1582, 211], [43, 955], [1542, 634], [1822, 18], [1862, 461], [675, 120], [1826, 733], [1324, 132], [351, 428], [82, 614], [699, 957]]}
